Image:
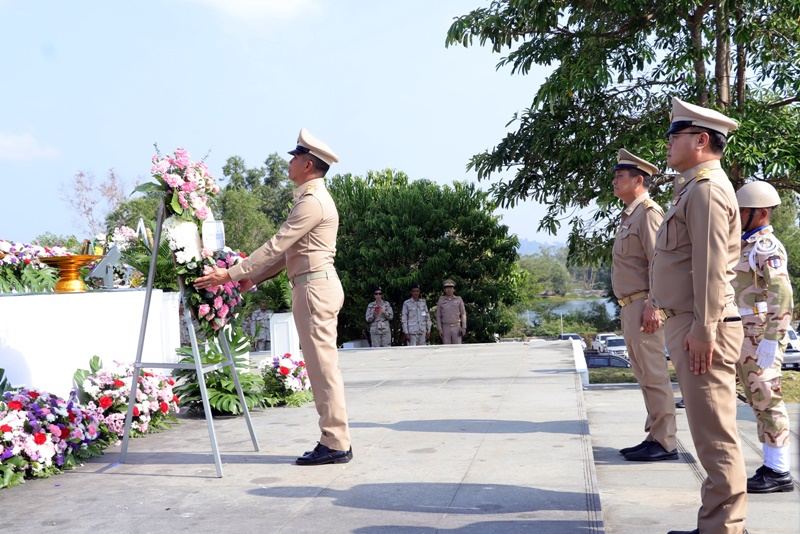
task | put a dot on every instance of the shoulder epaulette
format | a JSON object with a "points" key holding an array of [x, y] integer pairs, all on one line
{"points": [[704, 174], [310, 188], [650, 205]]}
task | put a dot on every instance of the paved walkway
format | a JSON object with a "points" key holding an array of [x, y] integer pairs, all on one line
{"points": [[468, 439]]}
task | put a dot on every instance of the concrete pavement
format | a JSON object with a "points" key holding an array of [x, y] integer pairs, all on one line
{"points": [[459, 439]]}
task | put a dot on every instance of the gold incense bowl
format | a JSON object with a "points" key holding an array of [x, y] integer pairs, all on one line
{"points": [[69, 281]]}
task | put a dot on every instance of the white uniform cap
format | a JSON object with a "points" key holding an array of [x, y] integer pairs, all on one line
{"points": [[685, 115], [308, 144], [758, 194], [626, 160]]}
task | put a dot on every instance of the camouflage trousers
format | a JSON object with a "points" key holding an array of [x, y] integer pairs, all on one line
{"points": [[762, 387]]}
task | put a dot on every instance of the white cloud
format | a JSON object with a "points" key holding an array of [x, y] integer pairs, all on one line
{"points": [[24, 147], [262, 9]]}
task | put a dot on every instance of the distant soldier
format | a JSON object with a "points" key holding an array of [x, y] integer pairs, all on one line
{"points": [[379, 313], [451, 316], [641, 322], [764, 296], [259, 327], [416, 319]]}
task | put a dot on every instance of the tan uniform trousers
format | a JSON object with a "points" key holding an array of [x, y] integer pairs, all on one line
{"points": [[315, 306], [710, 401], [451, 335], [649, 364]]}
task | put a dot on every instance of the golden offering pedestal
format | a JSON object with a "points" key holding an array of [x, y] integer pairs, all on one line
{"points": [[69, 277]]}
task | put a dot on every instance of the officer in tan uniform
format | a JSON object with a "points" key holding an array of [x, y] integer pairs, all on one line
{"points": [[764, 296], [451, 316], [305, 246], [641, 322], [379, 313], [697, 247]]}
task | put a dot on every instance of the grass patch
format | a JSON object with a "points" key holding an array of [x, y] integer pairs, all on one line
{"points": [[790, 385]]}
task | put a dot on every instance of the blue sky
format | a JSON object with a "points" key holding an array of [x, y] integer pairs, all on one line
{"points": [[91, 85]]}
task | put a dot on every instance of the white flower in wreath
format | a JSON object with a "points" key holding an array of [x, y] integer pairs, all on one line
{"points": [[184, 239]]}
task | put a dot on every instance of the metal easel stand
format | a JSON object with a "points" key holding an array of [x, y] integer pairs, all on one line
{"points": [[198, 366]]}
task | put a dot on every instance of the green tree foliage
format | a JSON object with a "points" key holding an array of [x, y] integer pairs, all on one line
{"points": [[269, 183], [247, 227], [49, 240], [394, 232], [617, 63], [545, 273], [129, 211], [786, 223]]}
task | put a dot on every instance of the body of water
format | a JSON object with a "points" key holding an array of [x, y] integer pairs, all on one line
{"points": [[570, 306]]}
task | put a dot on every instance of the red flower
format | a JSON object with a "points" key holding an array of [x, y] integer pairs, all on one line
{"points": [[119, 383], [105, 402], [15, 405], [33, 394], [302, 363], [71, 417], [164, 407], [136, 411], [145, 373], [170, 381], [175, 399], [39, 438], [284, 370], [27, 261], [5, 428]]}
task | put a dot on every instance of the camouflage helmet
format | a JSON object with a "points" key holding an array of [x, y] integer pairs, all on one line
{"points": [[757, 194]]}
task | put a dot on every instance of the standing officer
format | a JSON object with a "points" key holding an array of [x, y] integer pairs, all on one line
{"points": [[259, 325], [641, 322], [306, 245], [416, 319], [764, 296], [451, 317], [697, 247], [379, 313]]}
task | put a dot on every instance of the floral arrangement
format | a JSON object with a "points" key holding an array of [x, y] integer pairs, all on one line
{"points": [[285, 381], [122, 236], [107, 393], [188, 187], [21, 269], [42, 434], [187, 184]]}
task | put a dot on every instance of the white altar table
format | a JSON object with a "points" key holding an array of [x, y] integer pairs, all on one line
{"points": [[45, 338]]}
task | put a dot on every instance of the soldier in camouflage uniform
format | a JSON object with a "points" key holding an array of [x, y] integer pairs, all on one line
{"points": [[416, 319], [379, 313], [259, 327], [764, 297]]}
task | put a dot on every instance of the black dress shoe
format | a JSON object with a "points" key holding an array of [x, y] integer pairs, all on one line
{"points": [[635, 448], [767, 480], [322, 455], [652, 452], [680, 404]]}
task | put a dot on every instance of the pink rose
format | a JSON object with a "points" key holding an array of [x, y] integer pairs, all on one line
{"points": [[207, 269], [55, 430], [223, 311], [218, 303], [188, 186], [221, 264], [201, 213], [203, 310]]}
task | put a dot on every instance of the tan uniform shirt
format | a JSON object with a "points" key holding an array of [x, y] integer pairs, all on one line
{"points": [[697, 247], [633, 247], [451, 312], [305, 243]]}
